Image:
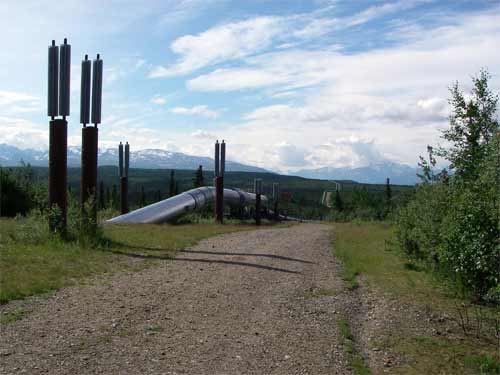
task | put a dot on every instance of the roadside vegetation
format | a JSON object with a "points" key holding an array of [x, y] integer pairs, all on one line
{"points": [[434, 269], [34, 261], [452, 225], [431, 330]]}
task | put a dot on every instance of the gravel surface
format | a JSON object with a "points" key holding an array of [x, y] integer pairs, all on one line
{"points": [[259, 302]]}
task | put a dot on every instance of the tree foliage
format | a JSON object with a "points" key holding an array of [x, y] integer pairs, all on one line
{"points": [[198, 180], [453, 221]]}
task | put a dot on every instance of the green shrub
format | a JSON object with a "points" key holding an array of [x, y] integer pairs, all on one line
{"points": [[453, 221], [15, 197]]}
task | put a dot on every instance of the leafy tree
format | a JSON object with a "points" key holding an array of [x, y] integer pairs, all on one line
{"points": [[473, 125], [143, 196], [388, 192], [171, 186], [452, 223], [338, 204], [15, 197], [102, 197], [114, 197], [108, 197], [198, 180]]}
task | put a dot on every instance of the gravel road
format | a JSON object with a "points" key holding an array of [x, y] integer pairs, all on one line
{"points": [[258, 302]]}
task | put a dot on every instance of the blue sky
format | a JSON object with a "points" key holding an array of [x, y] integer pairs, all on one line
{"points": [[289, 84]]}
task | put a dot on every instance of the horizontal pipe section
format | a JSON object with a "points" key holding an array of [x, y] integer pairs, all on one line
{"points": [[189, 201]]}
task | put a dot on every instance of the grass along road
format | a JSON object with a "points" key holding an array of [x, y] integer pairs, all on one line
{"points": [[408, 322], [32, 262]]}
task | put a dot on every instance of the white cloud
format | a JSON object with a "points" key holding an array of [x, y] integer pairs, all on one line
{"points": [[15, 102], [158, 100], [221, 43], [23, 133], [199, 110], [203, 134], [394, 99], [11, 97], [235, 40], [381, 10]]}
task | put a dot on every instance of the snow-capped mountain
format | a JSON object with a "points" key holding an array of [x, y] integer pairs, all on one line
{"points": [[399, 174], [152, 158]]}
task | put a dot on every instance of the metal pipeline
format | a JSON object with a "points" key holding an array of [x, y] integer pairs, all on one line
{"points": [[189, 201]]}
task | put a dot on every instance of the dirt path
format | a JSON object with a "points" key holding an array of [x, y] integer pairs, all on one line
{"points": [[245, 303]]}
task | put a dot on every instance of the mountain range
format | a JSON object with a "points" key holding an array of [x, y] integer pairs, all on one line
{"points": [[151, 158], [377, 173], [161, 159]]}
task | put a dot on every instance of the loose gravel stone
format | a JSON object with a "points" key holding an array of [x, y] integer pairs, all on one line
{"points": [[242, 303]]}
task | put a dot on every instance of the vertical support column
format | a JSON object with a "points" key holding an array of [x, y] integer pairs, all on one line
{"points": [[258, 192], [123, 195], [58, 104], [276, 194], [220, 165], [89, 164], [124, 177], [88, 184], [90, 140], [58, 144], [219, 191]]}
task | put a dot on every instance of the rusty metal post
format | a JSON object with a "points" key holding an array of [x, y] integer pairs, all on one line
{"points": [[219, 207], [257, 209], [123, 163], [89, 174], [220, 163], [276, 194], [258, 191], [58, 144], [123, 195]]}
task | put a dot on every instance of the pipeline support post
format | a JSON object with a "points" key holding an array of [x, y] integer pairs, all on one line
{"points": [[58, 104], [58, 144], [219, 199], [124, 195], [219, 169], [89, 173], [90, 139], [258, 192], [276, 194], [124, 157]]}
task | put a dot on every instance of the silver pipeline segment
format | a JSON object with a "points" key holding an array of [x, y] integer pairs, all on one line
{"points": [[53, 81], [120, 158], [127, 158], [194, 199], [96, 90], [64, 78], [222, 158], [217, 151]]}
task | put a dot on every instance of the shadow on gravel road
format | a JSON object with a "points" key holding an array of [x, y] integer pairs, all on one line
{"points": [[229, 262], [247, 255]]}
